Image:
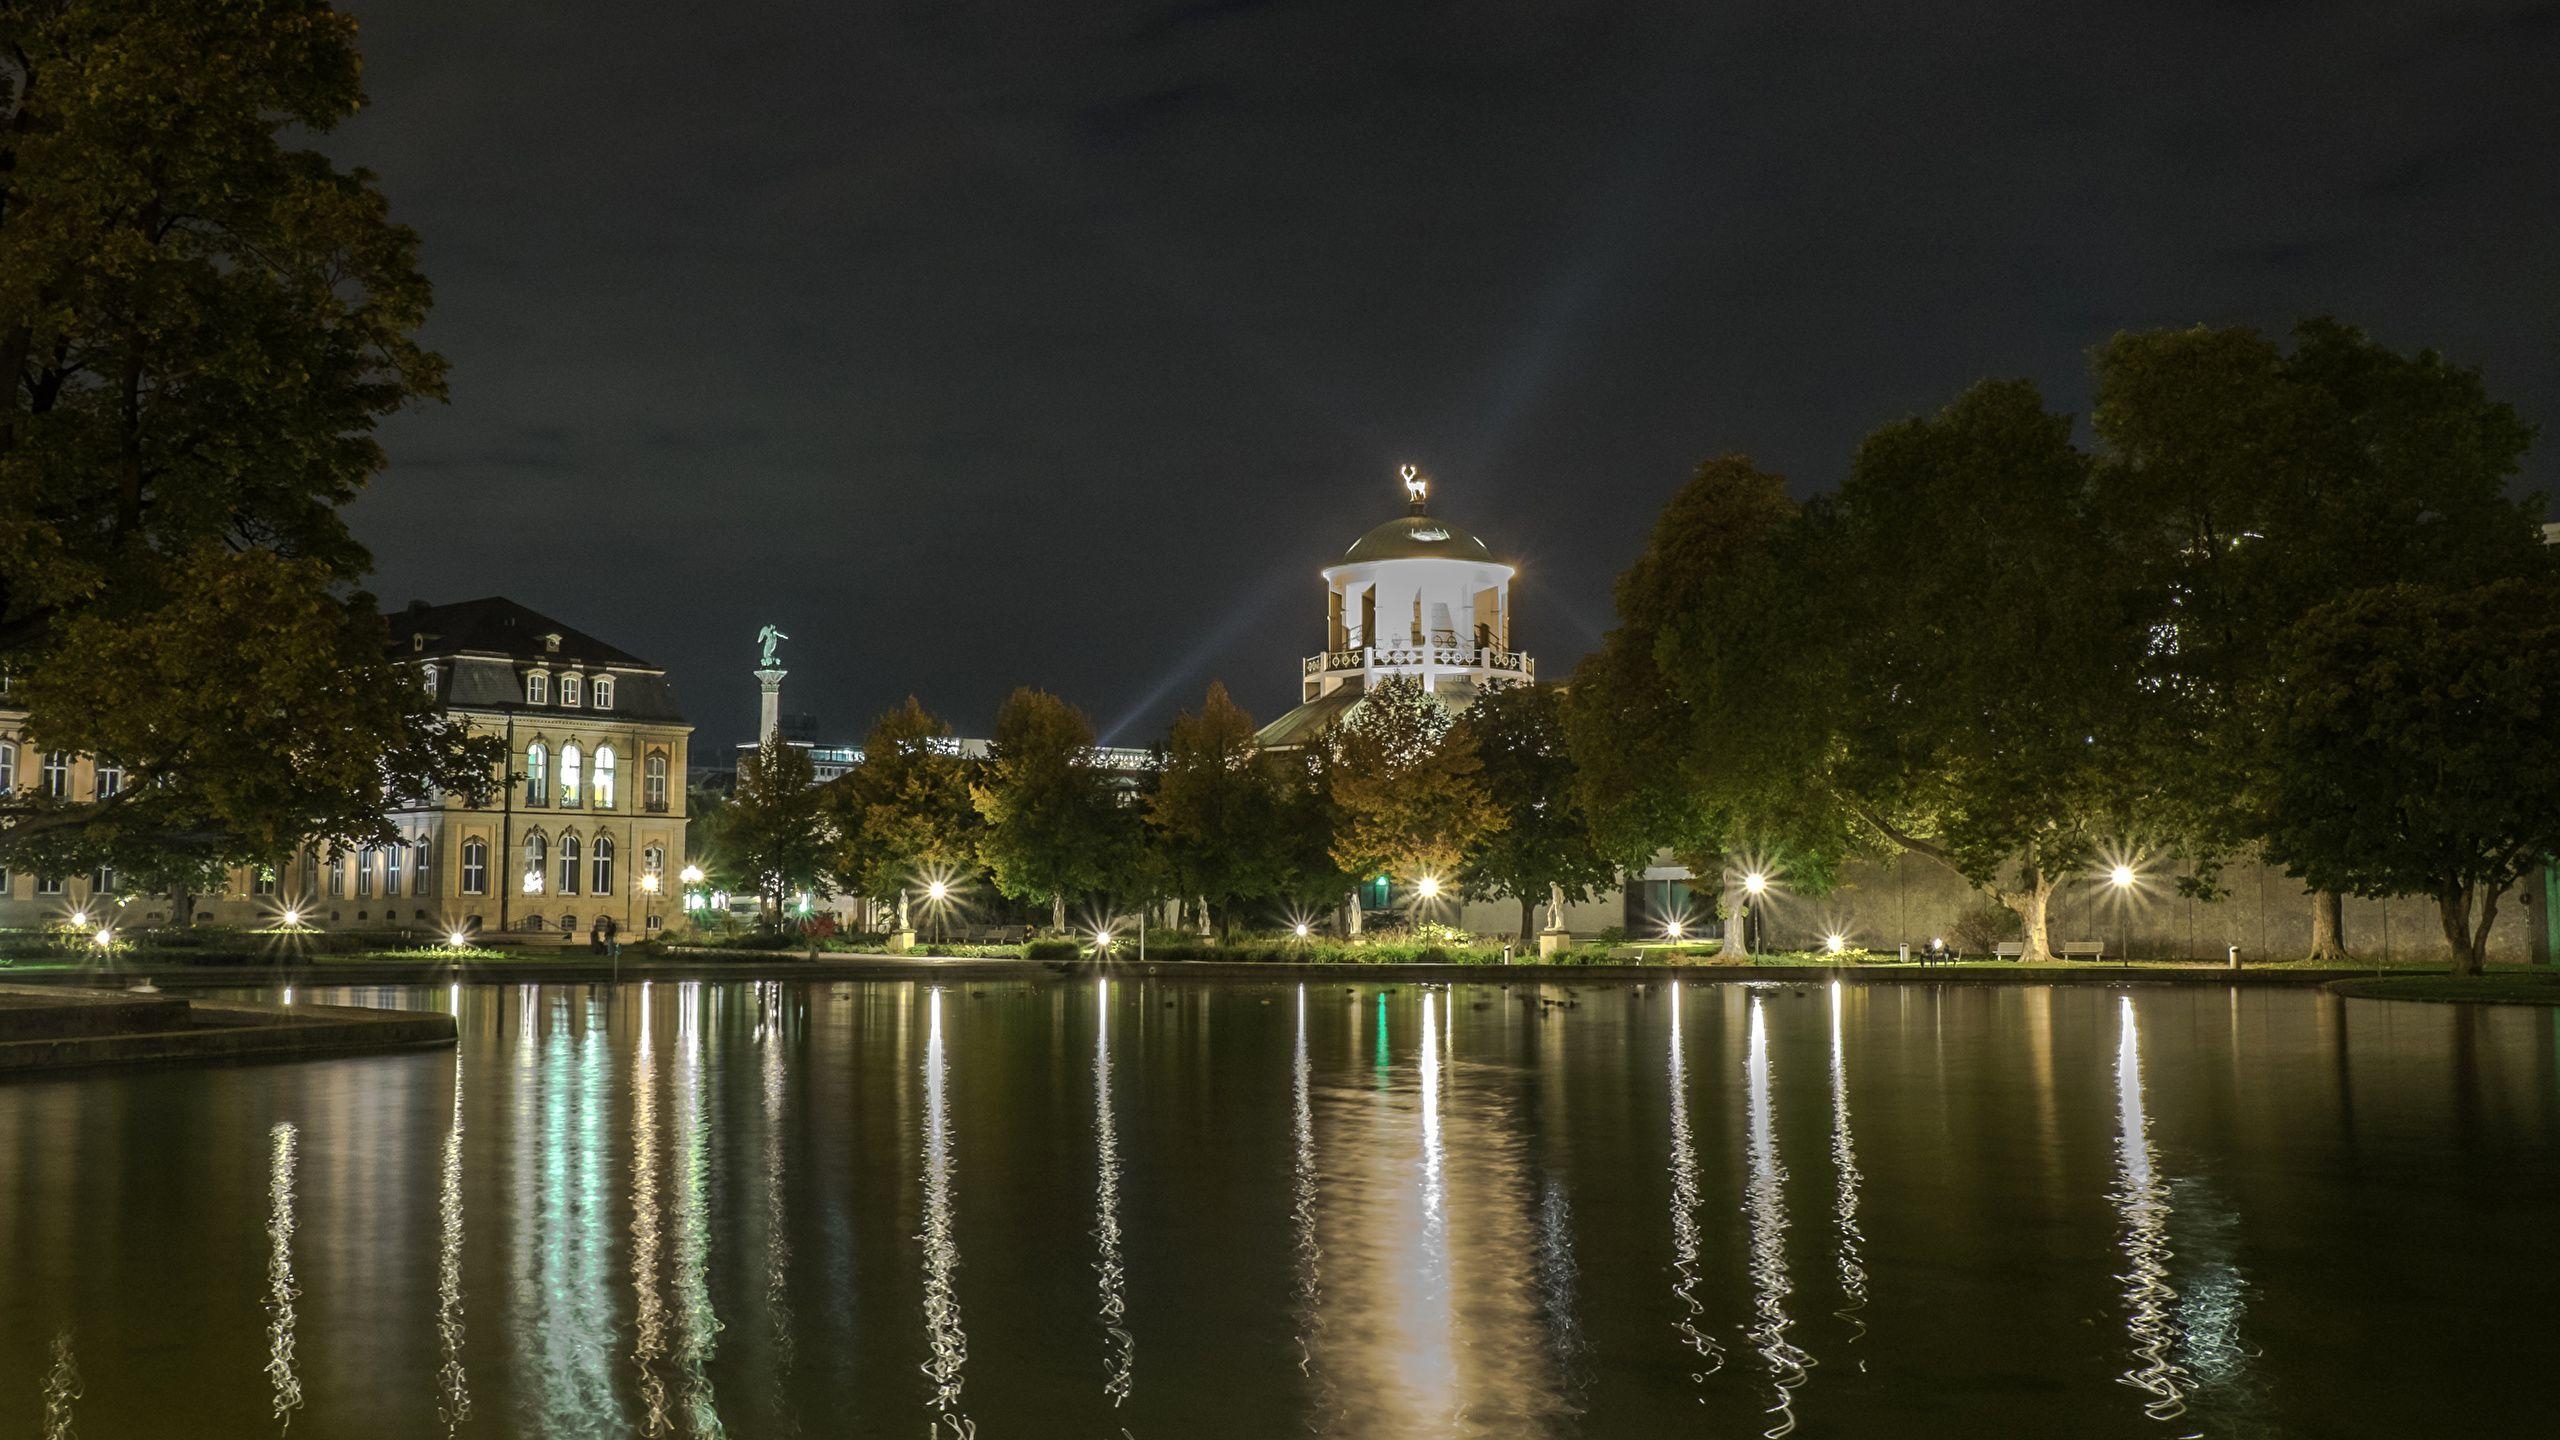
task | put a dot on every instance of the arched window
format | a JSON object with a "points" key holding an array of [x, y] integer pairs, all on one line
{"points": [[418, 871], [8, 766], [337, 872], [569, 766], [537, 687], [364, 872], [568, 864], [475, 867], [604, 777], [653, 780], [537, 774], [604, 692], [427, 672], [391, 869], [653, 861], [602, 867], [571, 687], [537, 856]]}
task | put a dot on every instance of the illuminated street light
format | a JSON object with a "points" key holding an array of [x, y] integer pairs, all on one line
{"points": [[79, 919], [1835, 942], [1755, 883], [649, 881], [457, 939], [292, 919], [2122, 876], [1671, 928], [937, 891], [1302, 930], [105, 937], [1428, 887], [691, 875]]}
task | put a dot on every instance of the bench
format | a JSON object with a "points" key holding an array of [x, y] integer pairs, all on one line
{"points": [[2084, 949], [2009, 950]]}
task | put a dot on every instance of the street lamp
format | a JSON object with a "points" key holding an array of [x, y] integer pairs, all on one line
{"points": [[2122, 878], [937, 892], [649, 882], [1672, 927], [1428, 887], [1835, 942], [456, 939], [1754, 885]]}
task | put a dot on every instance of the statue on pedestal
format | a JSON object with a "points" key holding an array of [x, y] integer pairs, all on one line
{"points": [[771, 638]]}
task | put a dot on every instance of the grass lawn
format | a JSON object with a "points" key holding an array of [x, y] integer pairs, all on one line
{"points": [[2509, 986]]}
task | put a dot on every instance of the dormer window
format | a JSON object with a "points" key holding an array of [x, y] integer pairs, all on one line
{"points": [[551, 643], [603, 689], [572, 689], [417, 642], [428, 673], [537, 687]]}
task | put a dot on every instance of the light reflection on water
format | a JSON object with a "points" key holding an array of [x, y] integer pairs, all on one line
{"points": [[1765, 1203], [1316, 1243]]}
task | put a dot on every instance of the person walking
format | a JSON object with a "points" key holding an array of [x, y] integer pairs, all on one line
{"points": [[613, 938]]}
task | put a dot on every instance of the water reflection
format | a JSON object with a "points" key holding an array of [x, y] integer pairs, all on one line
{"points": [[2142, 1202], [1120, 1351], [453, 1388], [777, 1233], [1844, 1165], [649, 1324], [947, 1347], [696, 1325], [61, 1389], [1302, 1184], [1684, 1214], [1765, 1208], [282, 1379]]}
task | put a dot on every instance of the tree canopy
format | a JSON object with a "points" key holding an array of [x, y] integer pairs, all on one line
{"points": [[771, 835], [1054, 825], [1408, 787], [905, 810], [200, 326], [1518, 735]]}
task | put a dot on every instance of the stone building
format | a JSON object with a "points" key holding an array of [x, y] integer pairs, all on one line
{"points": [[591, 825]]}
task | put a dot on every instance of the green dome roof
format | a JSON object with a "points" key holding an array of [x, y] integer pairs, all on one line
{"points": [[1417, 537]]}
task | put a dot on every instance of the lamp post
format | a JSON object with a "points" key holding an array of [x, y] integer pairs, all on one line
{"points": [[2122, 878], [1754, 885]]}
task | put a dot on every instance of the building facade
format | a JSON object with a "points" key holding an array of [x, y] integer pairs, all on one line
{"points": [[588, 822]]}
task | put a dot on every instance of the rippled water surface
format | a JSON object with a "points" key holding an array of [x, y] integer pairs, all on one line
{"points": [[1155, 1208]]}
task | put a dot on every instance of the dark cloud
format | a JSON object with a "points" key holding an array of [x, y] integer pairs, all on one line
{"points": [[982, 345]]}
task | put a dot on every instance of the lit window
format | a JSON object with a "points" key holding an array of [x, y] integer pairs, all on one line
{"points": [[418, 871], [568, 864], [604, 777], [265, 883], [537, 774], [475, 867], [48, 884], [391, 870], [604, 692], [569, 777], [110, 778], [653, 780], [537, 854], [570, 690], [364, 873], [57, 774], [337, 873], [428, 673], [537, 687], [601, 867], [8, 765]]}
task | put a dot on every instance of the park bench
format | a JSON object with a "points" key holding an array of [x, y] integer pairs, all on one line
{"points": [[2009, 950], [2084, 949]]}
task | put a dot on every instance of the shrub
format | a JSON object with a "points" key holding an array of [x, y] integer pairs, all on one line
{"points": [[1052, 949], [1982, 926]]}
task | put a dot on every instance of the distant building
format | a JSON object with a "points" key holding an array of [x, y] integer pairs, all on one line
{"points": [[593, 823], [596, 743], [1417, 596]]}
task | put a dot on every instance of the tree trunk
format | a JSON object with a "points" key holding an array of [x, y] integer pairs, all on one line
{"points": [[2034, 904], [1737, 929], [1528, 917], [2328, 928], [2453, 907]]}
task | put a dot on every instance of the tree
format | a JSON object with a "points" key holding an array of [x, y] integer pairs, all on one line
{"points": [[1217, 810], [772, 834], [2252, 485], [904, 810], [1409, 794], [1054, 824], [1978, 648], [199, 329], [2414, 749], [1546, 840]]}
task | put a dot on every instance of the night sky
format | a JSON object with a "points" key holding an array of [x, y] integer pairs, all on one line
{"points": [[980, 345]]}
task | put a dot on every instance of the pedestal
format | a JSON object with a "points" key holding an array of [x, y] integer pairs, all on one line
{"points": [[901, 941], [769, 726], [1552, 942]]}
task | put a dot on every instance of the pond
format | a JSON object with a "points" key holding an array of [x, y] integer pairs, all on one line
{"points": [[1177, 1208]]}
